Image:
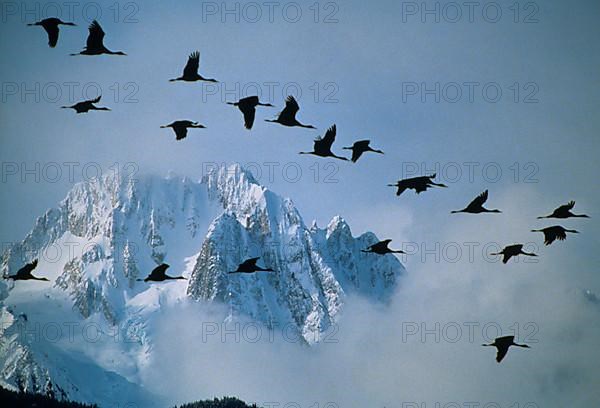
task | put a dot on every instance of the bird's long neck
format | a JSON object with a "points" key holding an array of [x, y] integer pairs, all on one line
{"points": [[520, 345], [264, 104], [306, 153], [491, 211], [100, 108], [543, 216], [375, 151], [456, 211], [581, 216], [305, 126], [528, 253]]}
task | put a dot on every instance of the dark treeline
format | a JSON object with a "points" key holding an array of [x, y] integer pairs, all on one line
{"points": [[14, 399], [225, 402]]}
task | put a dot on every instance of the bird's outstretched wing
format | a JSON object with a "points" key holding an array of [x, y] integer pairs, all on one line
{"points": [[159, 271], [180, 131], [96, 36], [250, 262], [567, 207], [96, 100], [249, 114], [329, 138], [502, 350], [291, 108], [506, 256], [249, 100], [26, 269], [52, 31], [191, 68], [503, 343], [479, 200], [552, 234]]}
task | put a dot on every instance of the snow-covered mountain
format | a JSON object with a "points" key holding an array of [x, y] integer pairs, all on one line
{"points": [[109, 232]]}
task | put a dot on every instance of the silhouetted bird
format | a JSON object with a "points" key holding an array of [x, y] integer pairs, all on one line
{"points": [[180, 127], [248, 107], [512, 250], [51, 26], [190, 72], [358, 148], [158, 274], [25, 273], [553, 233], [476, 206], [322, 146], [95, 42], [564, 211], [381, 248], [287, 117], [85, 106], [502, 344], [249, 266], [419, 184]]}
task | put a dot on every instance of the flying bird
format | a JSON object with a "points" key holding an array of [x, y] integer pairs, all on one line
{"points": [[249, 266], [25, 272], [85, 106], [159, 274], [322, 146], [419, 184], [512, 250], [476, 206], [555, 232], [51, 26], [95, 42], [180, 127], [359, 147], [564, 211], [287, 117], [248, 107], [190, 72], [381, 248], [502, 344]]}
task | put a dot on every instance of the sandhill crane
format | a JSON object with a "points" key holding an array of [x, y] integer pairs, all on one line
{"points": [[190, 72], [512, 250], [85, 106], [381, 248], [180, 127], [159, 274], [555, 232], [476, 206], [25, 273], [287, 117], [564, 211], [502, 344], [51, 26], [419, 184], [322, 146], [248, 107], [249, 266], [95, 42], [359, 147]]}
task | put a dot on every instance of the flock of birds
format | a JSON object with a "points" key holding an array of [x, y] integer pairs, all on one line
{"points": [[322, 148]]}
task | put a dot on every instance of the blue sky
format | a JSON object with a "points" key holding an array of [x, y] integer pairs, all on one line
{"points": [[363, 65]]}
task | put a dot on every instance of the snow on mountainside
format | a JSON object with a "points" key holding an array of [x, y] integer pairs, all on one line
{"points": [[109, 232]]}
